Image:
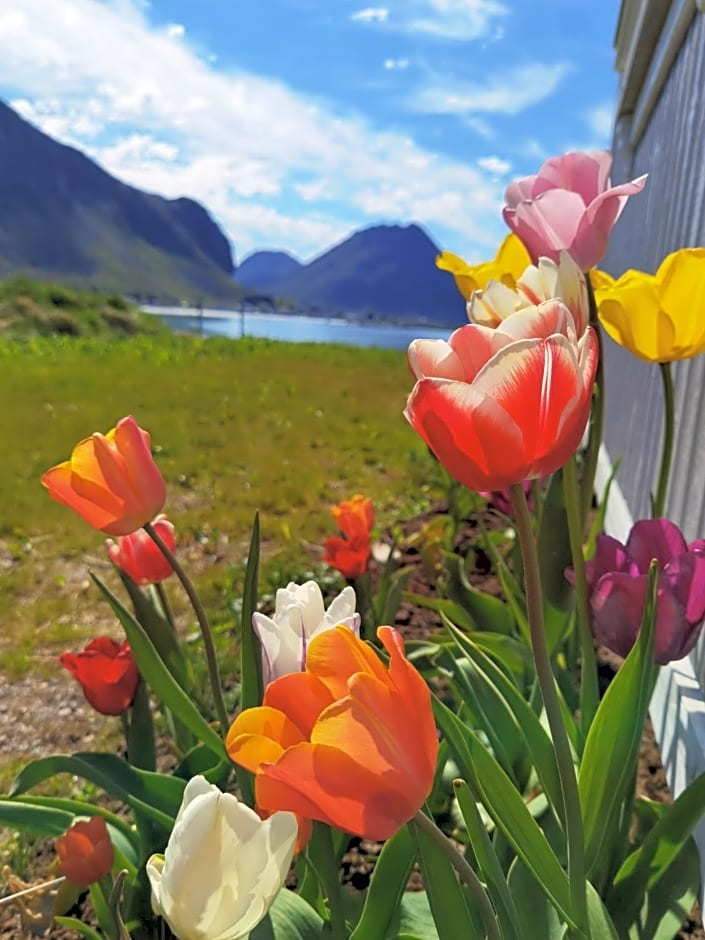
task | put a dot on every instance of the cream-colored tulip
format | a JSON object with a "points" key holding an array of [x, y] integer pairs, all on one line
{"points": [[299, 616], [223, 866], [539, 282]]}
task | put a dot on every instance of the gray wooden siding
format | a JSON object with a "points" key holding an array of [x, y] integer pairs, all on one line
{"points": [[668, 214]]}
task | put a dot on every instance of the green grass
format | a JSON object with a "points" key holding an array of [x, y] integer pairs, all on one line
{"points": [[31, 308], [237, 426]]}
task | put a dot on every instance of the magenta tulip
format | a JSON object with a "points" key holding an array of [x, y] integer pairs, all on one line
{"points": [[617, 579], [570, 204]]}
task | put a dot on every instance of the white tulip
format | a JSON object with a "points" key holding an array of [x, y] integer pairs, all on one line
{"points": [[223, 866], [299, 616]]}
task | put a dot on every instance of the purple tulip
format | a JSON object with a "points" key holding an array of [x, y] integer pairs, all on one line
{"points": [[617, 578]]}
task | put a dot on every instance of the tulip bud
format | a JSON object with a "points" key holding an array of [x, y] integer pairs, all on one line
{"points": [[223, 866], [85, 852], [138, 555]]}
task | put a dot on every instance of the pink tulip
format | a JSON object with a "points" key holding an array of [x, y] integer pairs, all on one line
{"points": [[617, 578], [569, 204], [498, 406]]}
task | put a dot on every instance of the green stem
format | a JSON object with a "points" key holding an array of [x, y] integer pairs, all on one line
{"points": [[561, 744], [366, 607], [597, 414], [465, 873], [166, 606], [589, 692], [327, 867], [659, 501], [206, 633]]}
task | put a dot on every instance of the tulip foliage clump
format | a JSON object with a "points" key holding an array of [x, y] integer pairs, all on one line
{"points": [[485, 755]]}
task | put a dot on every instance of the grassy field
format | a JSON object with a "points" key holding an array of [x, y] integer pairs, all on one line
{"points": [[237, 426]]}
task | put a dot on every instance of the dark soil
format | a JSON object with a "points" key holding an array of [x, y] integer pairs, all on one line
{"points": [[414, 622]]}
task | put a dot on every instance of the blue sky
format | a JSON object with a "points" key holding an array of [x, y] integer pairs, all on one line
{"points": [[298, 121]]}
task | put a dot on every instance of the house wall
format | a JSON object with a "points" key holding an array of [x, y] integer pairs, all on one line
{"points": [[660, 130]]}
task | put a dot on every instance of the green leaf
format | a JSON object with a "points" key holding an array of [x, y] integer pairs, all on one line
{"points": [[83, 929], [250, 651], [387, 886], [488, 613], [450, 904], [495, 721], [535, 910], [668, 903], [612, 746], [156, 795], [599, 920], [643, 871], [159, 678], [453, 611], [415, 918], [289, 918], [506, 697], [553, 546], [37, 820], [505, 806], [489, 868], [391, 590], [158, 629]]}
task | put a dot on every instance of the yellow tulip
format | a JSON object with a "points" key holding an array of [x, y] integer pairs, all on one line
{"points": [[511, 261], [659, 317]]}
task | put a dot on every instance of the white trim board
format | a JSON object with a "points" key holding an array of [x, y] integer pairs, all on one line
{"points": [[677, 707]]}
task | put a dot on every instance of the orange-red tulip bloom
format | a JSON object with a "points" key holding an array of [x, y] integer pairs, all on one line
{"points": [[498, 406], [107, 673], [138, 556], [85, 852], [111, 480], [350, 555], [348, 742]]}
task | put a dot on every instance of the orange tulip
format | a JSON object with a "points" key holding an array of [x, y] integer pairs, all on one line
{"points": [[111, 480], [85, 852], [499, 406], [355, 518], [348, 742]]}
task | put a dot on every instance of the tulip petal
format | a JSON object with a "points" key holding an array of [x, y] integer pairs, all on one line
{"points": [[685, 578], [473, 437], [99, 508], [584, 173], [336, 655], [617, 604], [134, 444], [681, 284], [327, 784], [434, 357], [259, 735], [658, 539], [301, 696]]}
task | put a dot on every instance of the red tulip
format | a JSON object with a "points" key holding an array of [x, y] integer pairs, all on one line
{"points": [[498, 406], [349, 741], [355, 518], [107, 673], [138, 555], [85, 852], [111, 480]]}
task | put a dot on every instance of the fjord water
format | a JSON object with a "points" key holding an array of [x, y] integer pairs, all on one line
{"points": [[293, 328]]}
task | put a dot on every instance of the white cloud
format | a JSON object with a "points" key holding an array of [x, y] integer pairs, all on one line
{"points": [[158, 115], [175, 30], [508, 92], [600, 121], [396, 64], [454, 19], [459, 20], [371, 15], [495, 165]]}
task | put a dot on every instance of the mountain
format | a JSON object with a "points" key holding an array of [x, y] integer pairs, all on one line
{"points": [[263, 270], [65, 217], [385, 271]]}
